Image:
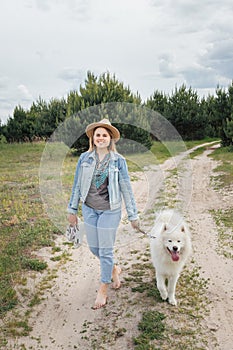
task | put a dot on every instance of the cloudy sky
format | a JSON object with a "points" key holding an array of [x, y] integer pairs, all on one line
{"points": [[47, 46]]}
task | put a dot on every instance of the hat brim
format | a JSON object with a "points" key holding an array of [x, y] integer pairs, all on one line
{"points": [[114, 131]]}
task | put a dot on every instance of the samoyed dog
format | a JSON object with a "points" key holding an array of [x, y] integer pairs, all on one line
{"points": [[170, 245]]}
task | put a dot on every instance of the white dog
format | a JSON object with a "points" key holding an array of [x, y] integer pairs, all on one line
{"points": [[170, 245]]}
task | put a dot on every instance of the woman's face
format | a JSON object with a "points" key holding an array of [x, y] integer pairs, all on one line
{"points": [[101, 138]]}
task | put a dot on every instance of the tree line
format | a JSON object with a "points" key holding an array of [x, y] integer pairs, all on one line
{"points": [[193, 117]]}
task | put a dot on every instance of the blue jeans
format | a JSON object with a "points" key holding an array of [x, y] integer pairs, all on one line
{"points": [[101, 227]]}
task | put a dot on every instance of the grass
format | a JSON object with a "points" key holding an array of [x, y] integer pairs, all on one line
{"points": [[225, 167], [194, 143], [197, 152], [224, 222], [151, 327], [24, 225], [222, 182], [160, 152]]}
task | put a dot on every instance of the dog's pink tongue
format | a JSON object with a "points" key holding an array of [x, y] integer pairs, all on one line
{"points": [[175, 256]]}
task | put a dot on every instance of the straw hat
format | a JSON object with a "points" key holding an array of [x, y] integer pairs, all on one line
{"points": [[104, 123]]}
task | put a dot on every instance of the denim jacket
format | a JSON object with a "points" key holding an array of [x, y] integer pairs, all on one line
{"points": [[118, 179]]}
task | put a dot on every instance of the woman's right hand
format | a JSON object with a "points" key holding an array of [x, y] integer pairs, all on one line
{"points": [[73, 219]]}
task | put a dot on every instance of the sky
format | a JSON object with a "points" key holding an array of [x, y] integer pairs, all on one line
{"points": [[47, 46]]}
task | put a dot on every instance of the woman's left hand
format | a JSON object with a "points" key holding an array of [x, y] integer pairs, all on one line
{"points": [[135, 224]]}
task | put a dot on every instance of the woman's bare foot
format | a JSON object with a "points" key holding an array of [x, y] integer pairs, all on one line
{"points": [[116, 277], [101, 299]]}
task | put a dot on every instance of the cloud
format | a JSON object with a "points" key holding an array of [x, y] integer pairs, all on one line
{"points": [[199, 77], [75, 8], [24, 93], [13, 95], [153, 44], [167, 68], [195, 75], [221, 26], [5, 103], [219, 57], [74, 74], [42, 5], [182, 16], [4, 81], [212, 67], [202, 39]]}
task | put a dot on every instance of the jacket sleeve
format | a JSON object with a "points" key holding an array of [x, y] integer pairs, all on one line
{"points": [[126, 190], [75, 194]]}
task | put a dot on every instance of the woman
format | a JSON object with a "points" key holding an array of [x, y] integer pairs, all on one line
{"points": [[100, 181]]}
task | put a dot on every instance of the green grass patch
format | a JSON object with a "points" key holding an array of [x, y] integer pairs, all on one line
{"points": [[223, 181], [194, 143], [197, 152], [161, 151], [201, 149], [158, 153], [8, 297], [19, 328], [151, 327], [225, 156], [225, 217], [224, 222], [33, 264], [24, 226]]}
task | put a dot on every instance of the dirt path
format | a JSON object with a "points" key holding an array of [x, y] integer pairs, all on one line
{"points": [[205, 240], [58, 322]]}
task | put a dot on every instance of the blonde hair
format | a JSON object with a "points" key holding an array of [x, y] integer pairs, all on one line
{"points": [[111, 147]]}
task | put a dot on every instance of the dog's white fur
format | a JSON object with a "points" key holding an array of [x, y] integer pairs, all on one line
{"points": [[170, 250]]}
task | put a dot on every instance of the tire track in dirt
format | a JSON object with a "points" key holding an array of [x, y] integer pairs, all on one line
{"points": [[215, 267]]}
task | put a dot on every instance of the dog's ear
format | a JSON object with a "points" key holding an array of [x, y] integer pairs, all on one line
{"points": [[163, 228]]}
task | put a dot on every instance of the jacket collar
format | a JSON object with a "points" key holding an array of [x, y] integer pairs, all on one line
{"points": [[113, 155]]}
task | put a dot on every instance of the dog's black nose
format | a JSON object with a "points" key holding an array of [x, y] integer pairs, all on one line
{"points": [[175, 249]]}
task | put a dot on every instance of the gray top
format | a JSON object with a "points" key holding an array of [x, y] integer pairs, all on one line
{"points": [[98, 198]]}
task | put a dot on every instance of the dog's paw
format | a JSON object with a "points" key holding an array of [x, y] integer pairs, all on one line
{"points": [[172, 301], [163, 295]]}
